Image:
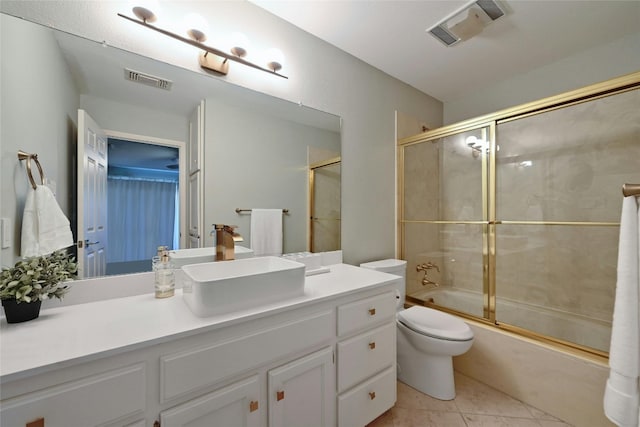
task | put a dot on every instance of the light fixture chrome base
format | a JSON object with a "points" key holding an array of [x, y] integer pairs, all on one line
{"points": [[214, 62]]}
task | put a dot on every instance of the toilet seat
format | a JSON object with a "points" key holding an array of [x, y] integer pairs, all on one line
{"points": [[435, 324]]}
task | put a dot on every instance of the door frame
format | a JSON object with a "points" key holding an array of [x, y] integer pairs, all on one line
{"points": [[182, 172]]}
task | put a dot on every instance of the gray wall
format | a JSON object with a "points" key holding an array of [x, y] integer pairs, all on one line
{"points": [[252, 160], [320, 76], [573, 72], [34, 123]]}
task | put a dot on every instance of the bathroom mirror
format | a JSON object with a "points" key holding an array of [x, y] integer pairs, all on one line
{"points": [[98, 80]]}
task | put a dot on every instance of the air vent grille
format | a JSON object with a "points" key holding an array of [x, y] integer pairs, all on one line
{"points": [[444, 36], [147, 79], [467, 21], [491, 8]]}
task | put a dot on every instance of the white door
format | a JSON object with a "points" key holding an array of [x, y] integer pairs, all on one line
{"points": [[300, 392], [196, 175], [92, 197], [233, 406]]}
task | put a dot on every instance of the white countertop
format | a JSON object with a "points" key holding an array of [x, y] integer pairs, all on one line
{"points": [[72, 334]]}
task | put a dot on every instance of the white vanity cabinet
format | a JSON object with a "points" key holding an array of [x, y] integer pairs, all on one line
{"points": [[323, 360], [366, 359]]}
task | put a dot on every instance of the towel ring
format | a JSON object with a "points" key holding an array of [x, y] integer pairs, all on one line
{"points": [[26, 156]]}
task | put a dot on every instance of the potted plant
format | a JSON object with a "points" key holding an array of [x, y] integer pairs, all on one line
{"points": [[24, 286]]}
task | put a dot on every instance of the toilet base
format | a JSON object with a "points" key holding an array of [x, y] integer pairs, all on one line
{"points": [[432, 376]]}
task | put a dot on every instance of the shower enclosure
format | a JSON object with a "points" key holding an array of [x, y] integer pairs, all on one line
{"points": [[513, 218], [324, 205]]}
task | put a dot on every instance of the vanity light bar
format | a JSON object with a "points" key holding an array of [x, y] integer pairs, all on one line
{"points": [[208, 49]]}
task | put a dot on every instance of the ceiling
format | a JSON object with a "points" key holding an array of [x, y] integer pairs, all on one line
{"points": [[391, 36]]}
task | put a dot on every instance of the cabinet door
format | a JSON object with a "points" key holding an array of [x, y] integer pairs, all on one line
{"points": [[235, 405], [301, 392]]}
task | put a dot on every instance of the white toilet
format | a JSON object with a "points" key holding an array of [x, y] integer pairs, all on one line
{"points": [[427, 340]]}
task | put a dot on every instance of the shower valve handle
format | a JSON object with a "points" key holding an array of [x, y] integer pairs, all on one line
{"points": [[427, 266]]}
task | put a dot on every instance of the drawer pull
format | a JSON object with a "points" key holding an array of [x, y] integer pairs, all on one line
{"points": [[35, 423], [280, 395], [372, 345], [372, 311], [372, 395], [253, 406]]}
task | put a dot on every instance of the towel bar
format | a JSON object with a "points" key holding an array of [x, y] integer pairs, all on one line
{"points": [[238, 210], [26, 156], [631, 190]]}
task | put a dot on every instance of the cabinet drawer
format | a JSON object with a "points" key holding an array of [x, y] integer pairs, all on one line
{"points": [[366, 312], [235, 405], [368, 401], [197, 368], [91, 401], [365, 354]]}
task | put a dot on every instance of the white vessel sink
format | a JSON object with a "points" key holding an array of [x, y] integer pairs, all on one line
{"points": [[220, 287], [180, 257]]}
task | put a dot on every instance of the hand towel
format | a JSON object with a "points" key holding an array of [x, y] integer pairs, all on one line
{"points": [[266, 232], [45, 228], [621, 397]]}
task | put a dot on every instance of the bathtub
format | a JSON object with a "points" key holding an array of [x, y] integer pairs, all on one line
{"points": [[558, 324]]}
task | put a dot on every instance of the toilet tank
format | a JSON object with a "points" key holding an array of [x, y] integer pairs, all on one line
{"points": [[392, 266]]}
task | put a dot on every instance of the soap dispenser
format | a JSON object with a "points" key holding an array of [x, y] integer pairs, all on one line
{"points": [[164, 276]]}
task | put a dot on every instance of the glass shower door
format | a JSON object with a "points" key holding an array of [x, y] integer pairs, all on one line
{"points": [[559, 175], [444, 220]]}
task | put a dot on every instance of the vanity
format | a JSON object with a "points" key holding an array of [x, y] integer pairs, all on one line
{"points": [[324, 358]]}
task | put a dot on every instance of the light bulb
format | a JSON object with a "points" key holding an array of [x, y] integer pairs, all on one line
{"points": [[196, 27], [275, 59], [239, 44]]}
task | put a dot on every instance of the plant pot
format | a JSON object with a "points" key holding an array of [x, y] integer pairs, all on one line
{"points": [[20, 312]]}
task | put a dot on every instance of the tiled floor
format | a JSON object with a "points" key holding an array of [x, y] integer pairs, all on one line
{"points": [[475, 405]]}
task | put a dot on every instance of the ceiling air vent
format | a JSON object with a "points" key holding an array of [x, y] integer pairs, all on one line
{"points": [[147, 79], [467, 21]]}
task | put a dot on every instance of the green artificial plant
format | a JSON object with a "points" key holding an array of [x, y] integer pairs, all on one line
{"points": [[38, 278]]}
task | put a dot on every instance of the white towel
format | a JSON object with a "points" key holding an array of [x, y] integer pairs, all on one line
{"points": [[266, 232], [621, 396], [45, 228]]}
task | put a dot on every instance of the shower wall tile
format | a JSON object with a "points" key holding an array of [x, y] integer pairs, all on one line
{"points": [[569, 164], [567, 268], [421, 181]]}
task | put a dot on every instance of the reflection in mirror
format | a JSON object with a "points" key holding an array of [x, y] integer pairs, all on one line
{"points": [[236, 148], [324, 197]]}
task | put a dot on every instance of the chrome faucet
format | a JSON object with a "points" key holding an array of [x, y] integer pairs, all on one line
{"points": [[225, 241], [426, 267]]}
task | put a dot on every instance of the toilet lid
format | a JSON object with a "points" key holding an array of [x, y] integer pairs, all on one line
{"points": [[434, 323]]}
